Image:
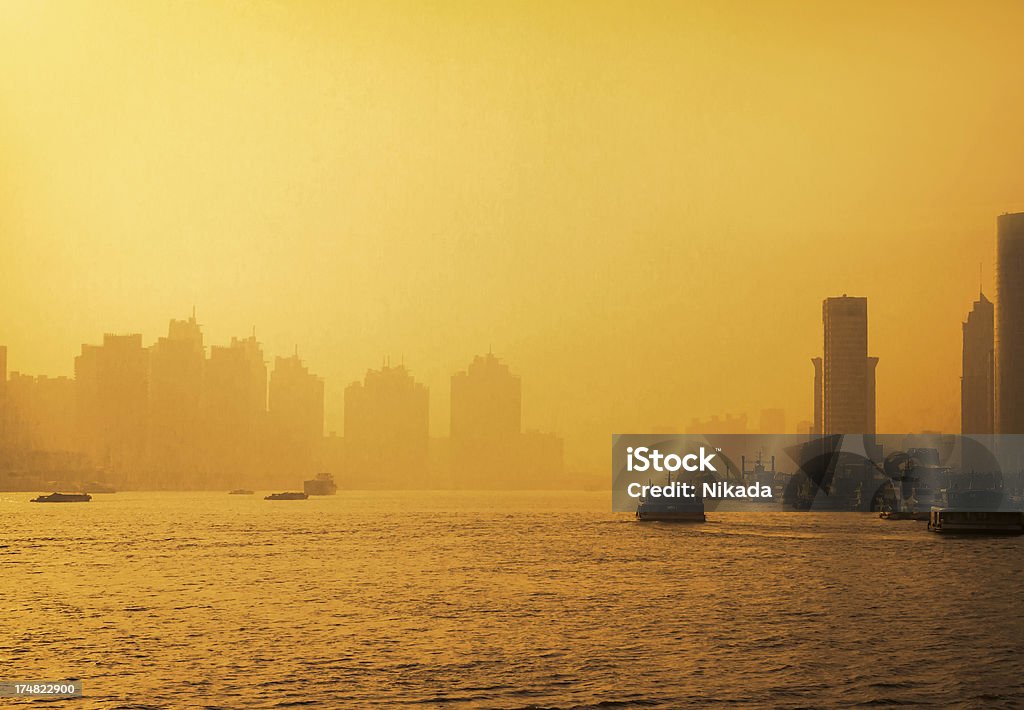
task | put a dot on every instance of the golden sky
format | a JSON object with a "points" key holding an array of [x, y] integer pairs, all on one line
{"points": [[640, 206]]}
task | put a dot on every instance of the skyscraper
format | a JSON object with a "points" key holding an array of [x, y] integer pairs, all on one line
{"points": [[3, 396], [111, 393], [386, 429], [486, 423], [234, 412], [1009, 324], [175, 398], [296, 416], [977, 382], [845, 376]]}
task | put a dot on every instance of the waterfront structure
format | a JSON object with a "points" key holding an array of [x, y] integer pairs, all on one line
{"points": [[111, 397], [40, 413], [234, 413], [844, 378], [296, 417], [716, 424], [977, 381], [176, 366], [1009, 324], [387, 429], [486, 424], [3, 398]]}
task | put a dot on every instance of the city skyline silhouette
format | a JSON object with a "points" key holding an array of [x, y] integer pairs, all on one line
{"points": [[642, 218]]}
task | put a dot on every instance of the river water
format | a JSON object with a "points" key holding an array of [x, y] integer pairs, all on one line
{"points": [[499, 600]]}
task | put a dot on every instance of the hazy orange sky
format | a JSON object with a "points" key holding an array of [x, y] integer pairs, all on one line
{"points": [[640, 206]]}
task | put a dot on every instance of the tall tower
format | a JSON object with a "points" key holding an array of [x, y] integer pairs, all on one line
{"points": [[486, 423], [296, 416], [175, 400], [845, 376], [977, 383], [386, 429], [234, 411], [1009, 324], [112, 403]]}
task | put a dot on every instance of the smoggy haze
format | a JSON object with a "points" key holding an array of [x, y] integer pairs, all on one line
{"points": [[640, 208]]}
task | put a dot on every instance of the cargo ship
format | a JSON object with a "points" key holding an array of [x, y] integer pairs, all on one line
{"points": [[63, 498], [322, 485], [288, 495]]}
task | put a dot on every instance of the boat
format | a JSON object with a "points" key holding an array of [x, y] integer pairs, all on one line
{"points": [[322, 485], [987, 522], [63, 498], [976, 510], [288, 495], [760, 475], [672, 509], [904, 515], [240, 492]]}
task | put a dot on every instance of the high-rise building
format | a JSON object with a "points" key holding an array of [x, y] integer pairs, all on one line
{"points": [[234, 413], [1009, 324], [41, 413], [175, 399], [844, 380], [977, 382], [486, 424], [3, 398], [296, 417], [386, 429], [111, 394]]}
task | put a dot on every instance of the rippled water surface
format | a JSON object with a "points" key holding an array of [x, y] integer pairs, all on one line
{"points": [[503, 600]]}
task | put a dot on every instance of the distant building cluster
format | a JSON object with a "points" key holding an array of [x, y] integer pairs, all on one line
{"points": [[992, 376], [178, 416]]}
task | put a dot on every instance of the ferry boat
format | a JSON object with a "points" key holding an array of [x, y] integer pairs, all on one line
{"points": [[322, 485], [989, 522], [975, 510], [240, 492], [288, 495], [63, 498], [672, 509]]}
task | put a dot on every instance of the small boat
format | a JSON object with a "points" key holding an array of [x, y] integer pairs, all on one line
{"points": [[903, 515], [985, 522], [671, 509], [240, 492], [322, 485], [289, 495], [63, 498]]}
